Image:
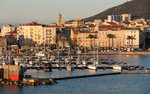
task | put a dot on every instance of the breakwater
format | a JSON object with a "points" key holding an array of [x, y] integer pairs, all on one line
{"points": [[28, 82]]}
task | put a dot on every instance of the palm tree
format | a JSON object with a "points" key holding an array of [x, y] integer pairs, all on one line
{"points": [[144, 35], [132, 38], [90, 36], [129, 38], [110, 36]]}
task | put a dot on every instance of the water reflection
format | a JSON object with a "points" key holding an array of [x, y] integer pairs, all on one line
{"points": [[12, 88]]}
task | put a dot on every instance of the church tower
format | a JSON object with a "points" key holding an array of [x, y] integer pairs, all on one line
{"points": [[59, 20]]}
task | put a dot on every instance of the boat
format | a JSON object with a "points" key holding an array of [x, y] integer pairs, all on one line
{"points": [[117, 67], [40, 54], [92, 67]]}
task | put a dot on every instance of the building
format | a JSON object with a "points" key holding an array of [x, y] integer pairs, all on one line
{"points": [[74, 35], [87, 39], [3, 43], [49, 35], [112, 18], [119, 18], [75, 23], [38, 33], [59, 20], [109, 36], [126, 17], [119, 37], [7, 28]]}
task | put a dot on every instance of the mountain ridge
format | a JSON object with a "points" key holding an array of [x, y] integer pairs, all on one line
{"points": [[137, 8]]}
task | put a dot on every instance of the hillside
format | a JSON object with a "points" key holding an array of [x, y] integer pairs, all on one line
{"points": [[137, 8]]}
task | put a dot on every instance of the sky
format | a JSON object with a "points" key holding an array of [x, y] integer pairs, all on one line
{"points": [[46, 11]]}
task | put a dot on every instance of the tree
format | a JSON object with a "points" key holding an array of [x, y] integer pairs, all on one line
{"points": [[144, 35], [63, 39], [11, 39], [129, 38], [132, 38], [90, 36], [110, 36]]}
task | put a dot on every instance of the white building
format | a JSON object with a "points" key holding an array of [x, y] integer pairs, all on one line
{"points": [[41, 34], [6, 29], [112, 18]]}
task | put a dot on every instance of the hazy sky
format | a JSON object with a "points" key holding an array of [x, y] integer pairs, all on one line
{"points": [[45, 11]]}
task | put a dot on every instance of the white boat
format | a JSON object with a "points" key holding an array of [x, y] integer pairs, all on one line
{"points": [[40, 54], [17, 61], [117, 67], [31, 63], [92, 67]]}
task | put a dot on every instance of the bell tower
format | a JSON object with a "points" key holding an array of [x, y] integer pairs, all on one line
{"points": [[59, 20]]}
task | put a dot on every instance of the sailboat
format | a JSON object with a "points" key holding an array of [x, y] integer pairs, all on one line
{"points": [[95, 62], [68, 65], [117, 66]]}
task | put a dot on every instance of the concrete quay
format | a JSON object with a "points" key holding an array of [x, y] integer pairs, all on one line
{"points": [[135, 72], [47, 81], [83, 76], [118, 53], [125, 53]]}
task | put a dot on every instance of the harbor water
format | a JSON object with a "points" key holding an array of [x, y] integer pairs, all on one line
{"points": [[110, 84]]}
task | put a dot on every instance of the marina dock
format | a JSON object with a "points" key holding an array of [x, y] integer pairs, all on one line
{"points": [[93, 75]]}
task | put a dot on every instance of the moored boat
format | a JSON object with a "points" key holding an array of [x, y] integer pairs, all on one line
{"points": [[92, 67], [117, 67]]}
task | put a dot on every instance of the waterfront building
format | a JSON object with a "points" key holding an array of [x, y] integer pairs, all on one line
{"points": [[87, 39], [38, 33], [59, 20], [7, 28], [49, 35], [118, 36], [108, 36]]}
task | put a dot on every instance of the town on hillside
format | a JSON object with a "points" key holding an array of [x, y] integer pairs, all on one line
{"points": [[117, 33]]}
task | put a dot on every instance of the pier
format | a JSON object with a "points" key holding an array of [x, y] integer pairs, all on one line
{"points": [[135, 72], [83, 76]]}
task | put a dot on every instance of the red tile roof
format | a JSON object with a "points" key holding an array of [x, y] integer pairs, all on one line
{"points": [[111, 27], [13, 32]]}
